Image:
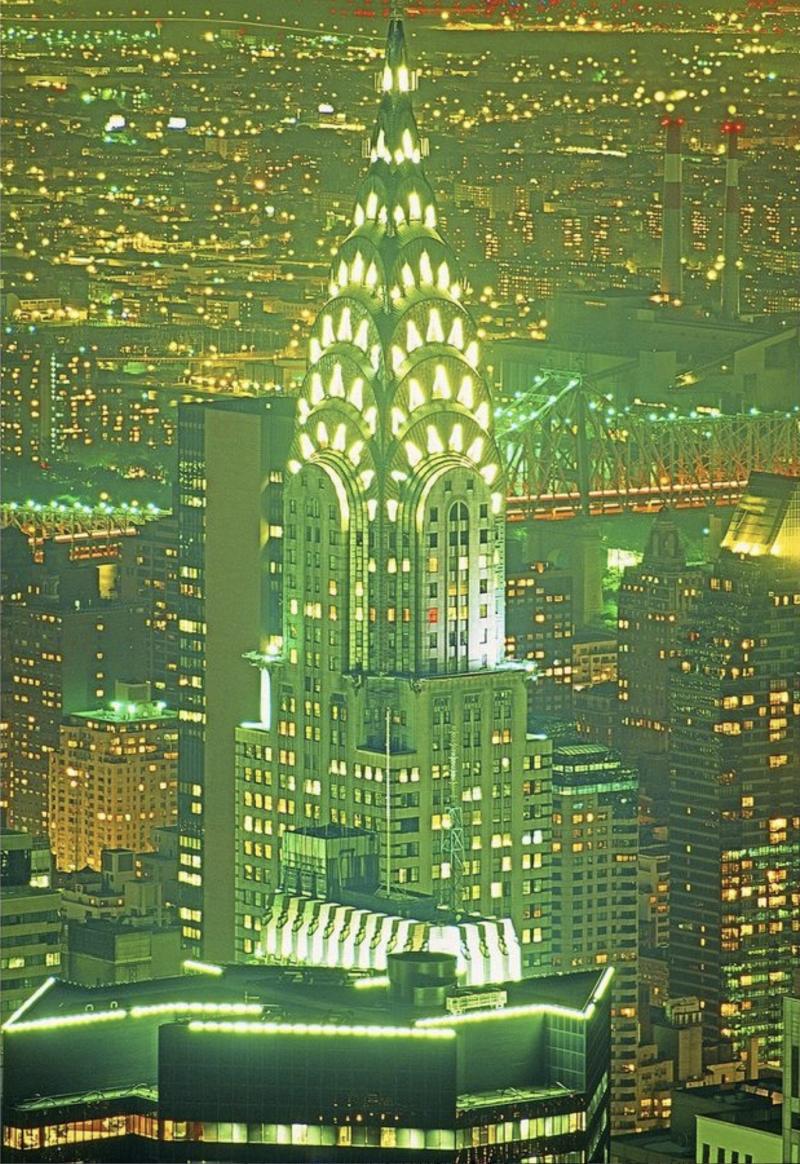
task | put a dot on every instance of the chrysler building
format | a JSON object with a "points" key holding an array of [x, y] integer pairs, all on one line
{"points": [[387, 703]]}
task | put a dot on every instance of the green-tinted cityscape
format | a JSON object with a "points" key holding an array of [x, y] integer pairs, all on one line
{"points": [[400, 720]]}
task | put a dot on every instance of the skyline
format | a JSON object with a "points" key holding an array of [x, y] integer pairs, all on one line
{"points": [[400, 611]]}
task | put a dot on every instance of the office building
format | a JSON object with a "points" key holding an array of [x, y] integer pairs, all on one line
{"points": [[126, 949], [654, 598], [734, 824], [150, 575], [388, 703], [595, 838], [69, 643], [539, 630], [594, 657], [30, 924], [232, 454], [653, 864], [113, 779], [279, 1063]]}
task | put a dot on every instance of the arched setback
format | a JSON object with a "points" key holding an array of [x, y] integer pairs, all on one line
{"points": [[460, 572], [326, 576]]}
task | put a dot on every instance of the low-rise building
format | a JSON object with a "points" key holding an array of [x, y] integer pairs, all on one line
{"points": [[283, 1063]]}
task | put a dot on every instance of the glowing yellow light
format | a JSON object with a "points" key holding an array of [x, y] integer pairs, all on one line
{"points": [[466, 395], [357, 393], [413, 453], [441, 383], [434, 440], [475, 450], [413, 338], [434, 334], [456, 336]]}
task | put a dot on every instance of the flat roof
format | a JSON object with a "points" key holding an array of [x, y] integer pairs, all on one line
{"points": [[290, 994]]}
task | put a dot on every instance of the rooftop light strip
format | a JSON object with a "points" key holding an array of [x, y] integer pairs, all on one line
{"points": [[232, 1008], [37, 994], [603, 984], [323, 1029], [69, 1020], [195, 967], [158, 1008], [478, 1016]]}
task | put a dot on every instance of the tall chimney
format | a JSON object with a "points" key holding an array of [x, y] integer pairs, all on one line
{"points": [[671, 244], [730, 228]]}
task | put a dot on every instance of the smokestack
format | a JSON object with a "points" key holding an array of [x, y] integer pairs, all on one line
{"points": [[671, 227], [730, 229]]}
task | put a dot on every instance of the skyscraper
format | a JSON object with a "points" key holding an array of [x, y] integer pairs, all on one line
{"points": [[595, 835], [653, 599], [735, 818], [230, 484], [69, 641], [388, 703]]}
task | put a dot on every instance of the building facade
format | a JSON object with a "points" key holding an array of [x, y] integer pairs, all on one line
{"points": [[387, 703], [30, 925], [231, 462], [539, 629], [734, 826], [69, 642], [653, 600], [595, 840], [113, 779]]}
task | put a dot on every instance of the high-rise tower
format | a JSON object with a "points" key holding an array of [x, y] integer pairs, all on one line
{"points": [[734, 829], [671, 227], [387, 703]]}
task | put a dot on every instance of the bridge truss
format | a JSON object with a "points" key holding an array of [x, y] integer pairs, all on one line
{"points": [[569, 451]]}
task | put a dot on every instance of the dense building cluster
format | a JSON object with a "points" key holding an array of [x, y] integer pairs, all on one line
{"points": [[400, 584]]}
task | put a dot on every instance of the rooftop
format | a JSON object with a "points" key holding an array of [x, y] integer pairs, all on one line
{"points": [[767, 519], [127, 713], [258, 994]]}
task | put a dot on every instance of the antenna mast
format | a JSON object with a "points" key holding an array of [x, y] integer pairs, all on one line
{"points": [[456, 837], [388, 802]]}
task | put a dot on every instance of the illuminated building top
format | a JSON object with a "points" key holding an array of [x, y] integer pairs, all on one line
{"points": [[767, 519], [395, 412]]}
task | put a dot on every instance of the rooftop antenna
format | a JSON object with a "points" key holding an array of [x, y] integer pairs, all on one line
{"points": [[388, 803], [456, 838]]}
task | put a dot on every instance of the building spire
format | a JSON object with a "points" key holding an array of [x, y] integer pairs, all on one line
{"points": [[394, 401]]}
